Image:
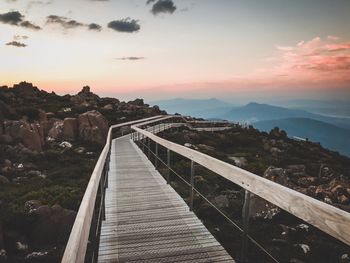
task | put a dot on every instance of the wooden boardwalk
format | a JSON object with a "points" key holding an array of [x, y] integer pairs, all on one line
{"points": [[146, 220]]}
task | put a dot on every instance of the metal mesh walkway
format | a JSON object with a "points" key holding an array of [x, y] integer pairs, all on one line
{"points": [[146, 220]]}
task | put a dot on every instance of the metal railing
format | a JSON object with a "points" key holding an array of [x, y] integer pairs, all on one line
{"points": [[327, 218]]}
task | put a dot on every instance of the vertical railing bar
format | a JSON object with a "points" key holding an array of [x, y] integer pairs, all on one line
{"points": [[192, 185], [156, 160], [168, 164], [149, 147], [245, 214]]}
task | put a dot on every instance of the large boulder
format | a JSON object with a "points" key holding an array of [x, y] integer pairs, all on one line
{"points": [[93, 127], [70, 128], [31, 135], [56, 131], [52, 226]]}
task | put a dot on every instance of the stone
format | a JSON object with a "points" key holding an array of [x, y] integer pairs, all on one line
{"points": [[277, 175], [260, 208], [70, 128], [93, 127], [31, 135], [307, 181], [239, 161], [221, 201], [31, 206], [7, 163], [65, 145], [108, 107], [297, 170], [4, 138], [343, 200], [3, 180], [56, 132]]}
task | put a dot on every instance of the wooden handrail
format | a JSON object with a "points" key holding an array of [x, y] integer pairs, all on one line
{"points": [[77, 243], [327, 218]]}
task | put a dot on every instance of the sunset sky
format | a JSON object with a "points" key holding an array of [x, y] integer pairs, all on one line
{"points": [[155, 49]]}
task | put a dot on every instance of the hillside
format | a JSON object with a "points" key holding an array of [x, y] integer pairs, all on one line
{"points": [[330, 136], [48, 148], [254, 112]]}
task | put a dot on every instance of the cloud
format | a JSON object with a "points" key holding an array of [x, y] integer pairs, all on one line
{"points": [[16, 44], [94, 26], [17, 19], [163, 6], [130, 58], [63, 21], [126, 25], [68, 23], [314, 58], [19, 37]]}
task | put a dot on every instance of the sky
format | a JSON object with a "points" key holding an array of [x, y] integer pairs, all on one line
{"points": [[157, 49]]}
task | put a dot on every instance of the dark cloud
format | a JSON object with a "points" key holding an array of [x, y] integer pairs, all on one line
{"points": [[94, 26], [63, 21], [29, 25], [125, 25], [163, 6], [12, 18], [16, 44], [68, 23], [130, 58], [17, 19]]}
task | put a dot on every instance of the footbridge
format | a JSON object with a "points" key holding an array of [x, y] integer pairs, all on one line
{"points": [[131, 213]]}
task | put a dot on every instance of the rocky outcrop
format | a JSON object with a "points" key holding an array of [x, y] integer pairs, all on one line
{"points": [[53, 224], [93, 127], [31, 135], [56, 131], [70, 128]]}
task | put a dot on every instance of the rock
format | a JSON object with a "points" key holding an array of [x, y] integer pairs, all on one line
{"points": [[93, 127], [239, 161], [137, 102], [3, 255], [277, 175], [52, 225], [204, 147], [70, 128], [31, 135], [37, 256], [7, 163], [297, 170], [277, 133], [345, 258], [80, 150], [21, 246], [303, 227], [65, 145], [307, 181], [42, 116], [56, 132], [31, 206], [305, 248], [343, 200], [221, 201], [188, 145], [3, 180], [108, 107], [260, 208]]}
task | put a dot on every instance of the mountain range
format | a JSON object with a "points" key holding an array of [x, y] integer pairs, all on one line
{"points": [[331, 132]]}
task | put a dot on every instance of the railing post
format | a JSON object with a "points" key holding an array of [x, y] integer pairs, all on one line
{"points": [[168, 164], [149, 147], [245, 214], [192, 185], [156, 160]]}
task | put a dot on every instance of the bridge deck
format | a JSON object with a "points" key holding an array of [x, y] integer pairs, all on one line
{"points": [[146, 220]]}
